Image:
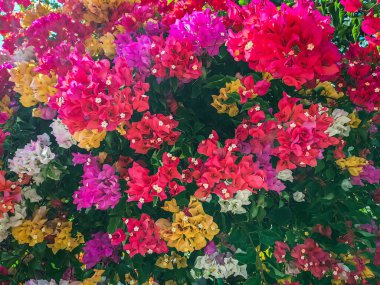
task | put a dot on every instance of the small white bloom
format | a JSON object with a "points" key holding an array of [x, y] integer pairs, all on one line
{"points": [[346, 185], [298, 196], [285, 175], [341, 124]]}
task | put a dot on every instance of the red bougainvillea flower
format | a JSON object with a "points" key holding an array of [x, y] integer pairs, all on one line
{"points": [[252, 89], [364, 71], [280, 250], [293, 43], [175, 58], [325, 231], [10, 194], [117, 237], [310, 257], [143, 187], [151, 132], [144, 237], [223, 174]]}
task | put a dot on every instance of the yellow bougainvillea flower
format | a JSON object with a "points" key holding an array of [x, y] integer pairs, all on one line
{"points": [[89, 139], [42, 86], [219, 101], [33, 231], [121, 128], [107, 43], [33, 87], [22, 76], [130, 280], [168, 262], [98, 11], [63, 239], [353, 164], [267, 76], [171, 206], [165, 262], [189, 230], [104, 45], [355, 121], [93, 46], [35, 13], [366, 273], [4, 105], [329, 90], [97, 277]]}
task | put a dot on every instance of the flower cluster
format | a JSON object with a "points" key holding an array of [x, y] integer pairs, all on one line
{"points": [[236, 203], [62, 134], [353, 164], [33, 158], [46, 33], [168, 261], [216, 265], [144, 237], [363, 70], [296, 55], [175, 58], [84, 107], [189, 141], [190, 229], [224, 173], [144, 188], [10, 194], [310, 127], [34, 87], [204, 29], [100, 184], [307, 256], [99, 248], [151, 132], [63, 239], [219, 101], [33, 231], [136, 52]]}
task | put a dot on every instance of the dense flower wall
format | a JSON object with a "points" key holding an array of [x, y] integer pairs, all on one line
{"points": [[189, 142]]}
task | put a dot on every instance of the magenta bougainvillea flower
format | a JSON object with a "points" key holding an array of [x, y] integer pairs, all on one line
{"points": [[99, 248], [100, 185], [204, 29]]}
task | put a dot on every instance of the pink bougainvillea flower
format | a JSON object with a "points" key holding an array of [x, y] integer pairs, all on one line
{"points": [[117, 237], [351, 6], [371, 27]]}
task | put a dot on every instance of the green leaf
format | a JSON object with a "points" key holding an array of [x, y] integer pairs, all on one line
{"points": [[247, 258], [356, 32], [268, 237], [256, 280], [320, 166], [281, 216], [328, 197]]}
